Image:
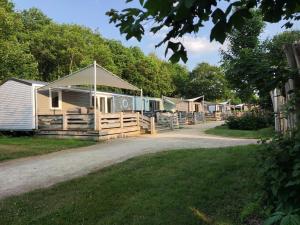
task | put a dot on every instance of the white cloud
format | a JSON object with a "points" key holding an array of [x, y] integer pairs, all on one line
{"points": [[198, 45], [193, 44]]}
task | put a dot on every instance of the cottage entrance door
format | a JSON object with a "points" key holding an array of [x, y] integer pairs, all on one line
{"points": [[101, 106], [109, 104], [104, 104]]}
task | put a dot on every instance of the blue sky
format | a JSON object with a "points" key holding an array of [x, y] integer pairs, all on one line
{"points": [[91, 13]]}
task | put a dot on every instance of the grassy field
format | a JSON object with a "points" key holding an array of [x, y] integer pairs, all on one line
{"points": [[226, 132], [160, 188], [18, 147]]}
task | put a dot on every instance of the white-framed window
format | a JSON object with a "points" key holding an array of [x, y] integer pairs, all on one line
{"points": [[55, 99]]}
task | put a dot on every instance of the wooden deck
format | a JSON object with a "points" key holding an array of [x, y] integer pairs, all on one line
{"points": [[110, 125]]}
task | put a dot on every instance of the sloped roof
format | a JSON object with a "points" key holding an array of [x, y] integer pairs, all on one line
{"points": [[86, 77], [194, 99], [29, 82], [173, 100], [178, 100]]}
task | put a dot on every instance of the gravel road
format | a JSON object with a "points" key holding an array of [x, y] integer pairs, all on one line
{"points": [[23, 175]]}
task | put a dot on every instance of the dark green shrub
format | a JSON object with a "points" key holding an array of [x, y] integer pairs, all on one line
{"points": [[280, 164], [249, 121]]}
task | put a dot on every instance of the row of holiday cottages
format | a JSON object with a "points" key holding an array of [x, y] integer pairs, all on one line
{"points": [[27, 105], [21, 101]]}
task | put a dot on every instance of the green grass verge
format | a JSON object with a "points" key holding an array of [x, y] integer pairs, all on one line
{"points": [[158, 188], [18, 147], [226, 132]]}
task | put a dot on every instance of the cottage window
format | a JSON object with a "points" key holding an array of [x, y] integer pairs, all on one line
{"points": [[55, 98]]}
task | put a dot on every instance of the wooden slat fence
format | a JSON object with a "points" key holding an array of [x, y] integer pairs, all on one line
{"points": [[147, 123], [168, 120], [107, 124]]}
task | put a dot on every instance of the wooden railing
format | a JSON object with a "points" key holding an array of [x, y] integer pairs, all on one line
{"points": [[117, 123], [147, 123], [215, 116], [168, 120], [197, 117], [106, 123], [66, 122]]}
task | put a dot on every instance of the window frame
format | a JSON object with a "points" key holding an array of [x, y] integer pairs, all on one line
{"points": [[59, 100]]}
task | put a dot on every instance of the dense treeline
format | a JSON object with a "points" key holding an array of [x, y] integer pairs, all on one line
{"points": [[32, 46]]}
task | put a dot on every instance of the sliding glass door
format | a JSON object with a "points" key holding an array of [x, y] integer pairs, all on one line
{"points": [[104, 104]]}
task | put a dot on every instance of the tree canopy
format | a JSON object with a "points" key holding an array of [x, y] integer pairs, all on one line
{"points": [[15, 56], [181, 17], [255, 67], [243, 61], [208, 80], [33, 46]]}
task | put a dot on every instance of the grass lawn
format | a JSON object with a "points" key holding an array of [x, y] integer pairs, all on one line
{"points": [[226, 132], [153, 189], [18, 147]]}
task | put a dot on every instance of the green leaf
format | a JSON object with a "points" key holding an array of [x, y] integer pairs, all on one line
{"points": [[217, 15], [179, 52], [237, 20], [157, 28], [175, 57], [273, 219], [218, 32], [173, 46]]}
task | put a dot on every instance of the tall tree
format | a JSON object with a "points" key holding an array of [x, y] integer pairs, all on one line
{"points": [[208, 80], [62, 49], [34, 19], [15, 57], [180, 77], [243, 60]]}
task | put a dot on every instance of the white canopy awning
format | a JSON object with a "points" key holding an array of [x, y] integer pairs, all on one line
{"points": [[86, 76], [195, 99], [224, 103]]}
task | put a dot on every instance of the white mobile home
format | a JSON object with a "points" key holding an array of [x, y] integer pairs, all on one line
{"points": [[18, 104]]}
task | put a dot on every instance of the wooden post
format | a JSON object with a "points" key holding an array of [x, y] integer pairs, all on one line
{"points": [[142, 100], [121, 120], [65, 121], [96, 124], [95, 93], [138, 119], [99, 121], [152, 125], [171, 122]]}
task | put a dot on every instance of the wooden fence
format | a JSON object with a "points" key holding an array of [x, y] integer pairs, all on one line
{"points": [[195, 117], [284, 121], [282, 97], [215, 116], [106, 124], [168, 119]]}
